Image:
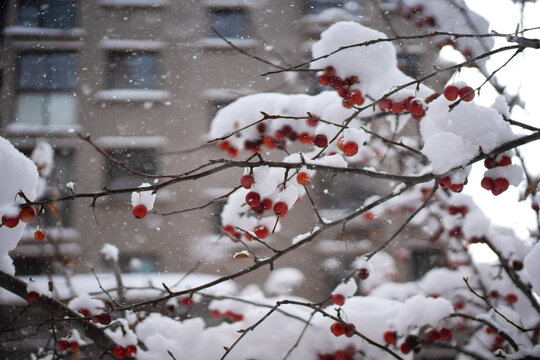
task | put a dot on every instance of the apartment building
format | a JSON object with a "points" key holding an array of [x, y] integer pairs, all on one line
{"points": [[144, 78]]}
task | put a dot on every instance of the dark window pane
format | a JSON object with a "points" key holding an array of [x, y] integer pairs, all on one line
{"points": [[47, 71], [58, 14], [140, 160], [231, 23], [409, 65], [132, 70], [318, 6]]}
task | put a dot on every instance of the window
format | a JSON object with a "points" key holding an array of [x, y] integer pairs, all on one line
{"points": [[132, 70], [59, 14], [229, 22], [46, 89], [140, 160], [138, 263]]}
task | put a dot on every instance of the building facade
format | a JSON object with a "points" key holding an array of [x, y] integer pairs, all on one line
{"points": [[144, 78]]}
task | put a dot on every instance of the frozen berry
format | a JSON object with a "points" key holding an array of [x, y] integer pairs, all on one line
{"points": [[511, 299], [390, 337], [131, 351], [302, 178], [337, 329], [139, 211], [261, 231], [39, 235], [385, 105], [320, 140], [119, 352], [281, 209], [338, 299], [487, 183], [104, 318], [363, 273], [349, 330], [62, 344], [32, 297], [451, 92], [350, 148], [433, 335], [500, 185], [517, 265], [73, 346], [445, 182], [466, 93], [10, 222], [247, 181], [253, 199], [446, 334], [27, 214], [186, 300]]}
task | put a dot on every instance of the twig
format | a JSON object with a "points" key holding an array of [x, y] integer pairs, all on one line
{"points": [[302, 333]]}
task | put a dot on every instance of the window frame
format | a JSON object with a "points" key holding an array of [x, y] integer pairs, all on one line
{"points": [[120, 57], [47, 91]]}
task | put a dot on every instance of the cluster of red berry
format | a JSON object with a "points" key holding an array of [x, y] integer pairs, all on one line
{"points": [[65, 344], [499, 185], [103, 318], [452, 92], [444, 334], [339, 329], [411, 342], [454, 210], [121, 352], [416, 13], [271, 141], [465, 51], [446, 183], [26, 215], [229, 315], [414, 106], [346, 354], [342, 86]]}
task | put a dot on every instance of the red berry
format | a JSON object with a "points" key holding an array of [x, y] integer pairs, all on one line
{"points": [[233, 152], [303, 178], [186, 300], [85, 312], [320, 140], [445, 182], [505, 161], [338, 299], [456, 187], [247, 181], [62, 344], [224, 145], [27, 214], [39, 235], [139, 211], [355, 97], [324, 80], [312, 122], [433, 335], [390, 337], [405, 349], [453, 210], [337, 329], [490, 330], [363, 273], [511, 299], [490, 163], [281, 209], [446, 334], [460, 305], [385, 105], [216, 314], [261, 231], [466, 94], [253, 199], [487, 183], [451, 92], [32, 297], [119, 352], [104, 318], [500, 185], [494, 294], [330, 71], [10, 222], [398, 107], [350, 148], [416, 107], [266, 204], [73, 346], [517, 265], [349, 332], [131, 351], [419, 116]]}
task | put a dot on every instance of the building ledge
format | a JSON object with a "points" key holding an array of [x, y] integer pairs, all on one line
{"points": [[131, 142], [132, 45], [25, 31], [15, 129], [132, 95], [217, 43], [134, 3]]}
